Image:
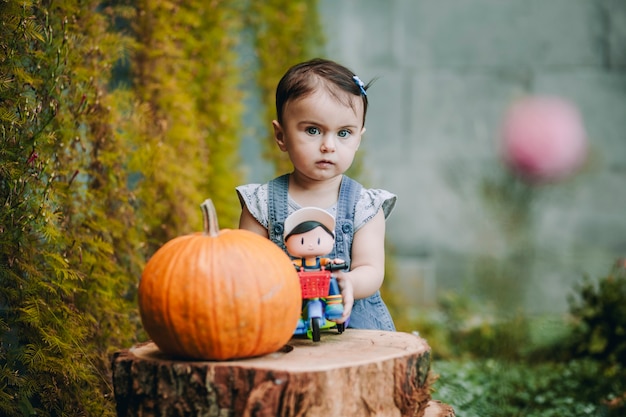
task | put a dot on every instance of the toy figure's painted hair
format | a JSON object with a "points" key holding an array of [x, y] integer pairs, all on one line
{"points": [[302, 79], [306, 227]]}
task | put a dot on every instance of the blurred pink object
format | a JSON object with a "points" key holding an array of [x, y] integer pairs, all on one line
{"points": [[544, 139]]}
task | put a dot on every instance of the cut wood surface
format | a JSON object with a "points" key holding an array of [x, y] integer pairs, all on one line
{"points": [[358, 373]]}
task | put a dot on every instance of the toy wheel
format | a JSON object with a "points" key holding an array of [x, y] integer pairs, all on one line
{"points": [[315, 328], [341, 327]]}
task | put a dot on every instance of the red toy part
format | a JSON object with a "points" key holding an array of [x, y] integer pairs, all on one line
{"points": [[314, 284]]}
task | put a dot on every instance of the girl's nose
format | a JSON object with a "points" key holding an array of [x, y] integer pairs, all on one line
{"points": [[328, 143]]}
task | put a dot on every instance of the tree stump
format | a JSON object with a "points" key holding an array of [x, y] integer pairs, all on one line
{"points": [[358, 373]]}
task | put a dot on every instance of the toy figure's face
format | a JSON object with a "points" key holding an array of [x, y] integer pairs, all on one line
{"points": [[316, 242]]}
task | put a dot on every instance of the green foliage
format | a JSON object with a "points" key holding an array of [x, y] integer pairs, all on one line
{"points": [[489, 388], [286, 33], [65, 292], [458, 329], [533, 366], [600, 313], [117, 121], [185, 72]]}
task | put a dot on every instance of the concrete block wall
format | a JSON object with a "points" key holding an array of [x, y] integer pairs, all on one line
{"points": [[447, 69]]}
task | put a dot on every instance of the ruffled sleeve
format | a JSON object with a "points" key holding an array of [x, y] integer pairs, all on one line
{"points": [[370, 202], [254, 196]]}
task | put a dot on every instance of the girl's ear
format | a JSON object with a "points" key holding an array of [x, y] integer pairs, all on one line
{"points": [[279, 135]]}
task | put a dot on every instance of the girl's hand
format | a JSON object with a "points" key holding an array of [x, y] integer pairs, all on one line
{"points": [[347, 292]]}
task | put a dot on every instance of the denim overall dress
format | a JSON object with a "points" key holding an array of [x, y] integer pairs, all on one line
{"points": [[367, 313]]}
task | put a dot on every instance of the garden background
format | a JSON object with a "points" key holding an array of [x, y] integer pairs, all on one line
{"points": [[119, 118]]}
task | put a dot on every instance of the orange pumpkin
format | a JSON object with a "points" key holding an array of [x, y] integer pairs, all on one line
{"points": [[219, 294]]}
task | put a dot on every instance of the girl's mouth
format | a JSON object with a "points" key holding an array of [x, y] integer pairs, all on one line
{"points": [[324, 163]]}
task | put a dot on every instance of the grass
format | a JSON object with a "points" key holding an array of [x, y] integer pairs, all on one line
{"points": [[498, 388], [517, 366]]}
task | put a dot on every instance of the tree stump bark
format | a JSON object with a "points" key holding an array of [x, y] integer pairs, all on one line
{"points": [[358, 373]]}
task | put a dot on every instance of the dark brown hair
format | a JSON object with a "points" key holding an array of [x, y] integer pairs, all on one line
{"points": [[302, 79], [307, 226]]}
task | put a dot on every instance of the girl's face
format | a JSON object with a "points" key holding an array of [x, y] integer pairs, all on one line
{"points": [[320, 134], [314, 243]]}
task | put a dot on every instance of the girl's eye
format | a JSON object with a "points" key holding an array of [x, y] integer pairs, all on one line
{"points": [[343, 133], [302, 241], [312, 130], [318, 241]]}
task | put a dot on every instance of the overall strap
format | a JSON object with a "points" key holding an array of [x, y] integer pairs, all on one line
{"points": [[349, 193], [277, 205]]}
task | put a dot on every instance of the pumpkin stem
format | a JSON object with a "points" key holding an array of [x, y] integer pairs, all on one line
{"points": [[209, 215]]}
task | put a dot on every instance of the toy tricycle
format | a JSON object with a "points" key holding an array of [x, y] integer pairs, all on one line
{"points": [[321, 301]]}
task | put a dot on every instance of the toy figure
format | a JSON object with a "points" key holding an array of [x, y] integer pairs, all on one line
{"points": [[308, 235]]}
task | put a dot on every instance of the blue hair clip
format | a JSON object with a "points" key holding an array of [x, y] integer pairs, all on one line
{"points": [[358, 82]]}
